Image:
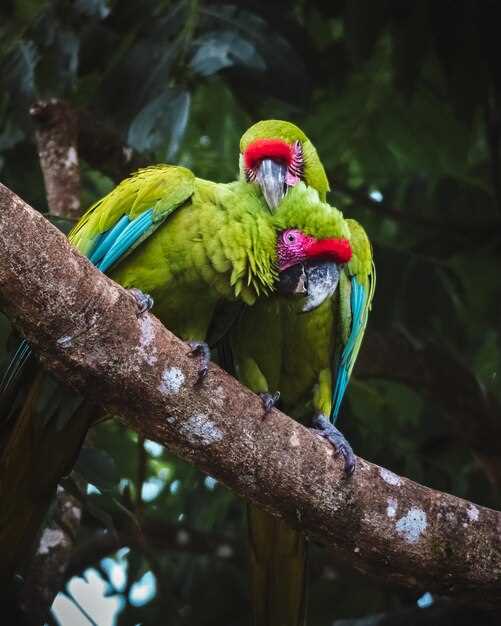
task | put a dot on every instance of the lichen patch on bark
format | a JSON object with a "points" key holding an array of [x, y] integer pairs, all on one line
{"points": [[412, 525]]}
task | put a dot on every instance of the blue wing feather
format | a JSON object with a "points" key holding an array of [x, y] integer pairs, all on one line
{"points": [[107, 239], [109, 247], [126, 239], [119, 240], [357, 303]]}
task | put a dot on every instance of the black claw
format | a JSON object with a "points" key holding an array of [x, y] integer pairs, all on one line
{"points": [[201, 349], [269, 400], [325, 429], [143, 300]]}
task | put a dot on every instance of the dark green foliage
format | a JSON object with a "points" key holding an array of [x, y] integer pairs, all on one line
{"points": [[402, 100]]}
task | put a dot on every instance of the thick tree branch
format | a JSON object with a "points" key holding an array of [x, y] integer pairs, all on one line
{"points": [[56, 136], [57, 146], [87, 330], [46, 573]]}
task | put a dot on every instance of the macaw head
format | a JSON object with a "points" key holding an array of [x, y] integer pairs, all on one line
{"points": [[294, 246], [312, 245], [309, 266], [277, 155]]}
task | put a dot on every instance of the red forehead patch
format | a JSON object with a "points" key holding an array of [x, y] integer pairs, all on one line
{"points": [[339, 249], [267, 149]]}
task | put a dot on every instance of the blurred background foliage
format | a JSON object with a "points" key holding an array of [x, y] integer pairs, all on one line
{"points": [[401, 99]]}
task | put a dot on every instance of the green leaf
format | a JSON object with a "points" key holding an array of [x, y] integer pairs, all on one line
{"points": [[18, 69], [219, 50], [99, 8], [164, 117]]}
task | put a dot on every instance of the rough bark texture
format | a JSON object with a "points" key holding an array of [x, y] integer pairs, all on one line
{"points": [[56, 136], [57, 144], [87, 330], [46, 573]]}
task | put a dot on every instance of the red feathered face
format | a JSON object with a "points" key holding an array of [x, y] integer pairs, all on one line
{"points": [[274, 165], [294, 246]]}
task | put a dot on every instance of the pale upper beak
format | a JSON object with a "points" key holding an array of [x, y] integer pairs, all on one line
{"points": [[322, 282], [271, 177]]}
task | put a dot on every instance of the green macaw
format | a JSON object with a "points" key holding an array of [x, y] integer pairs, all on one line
{"points": [[187, 243], [313, 353]]}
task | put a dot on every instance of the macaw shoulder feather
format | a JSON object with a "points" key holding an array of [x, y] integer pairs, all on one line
{"points": [[119, 222]]}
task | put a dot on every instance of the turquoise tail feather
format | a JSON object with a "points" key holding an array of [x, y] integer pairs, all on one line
{"points": [[357, 301]]}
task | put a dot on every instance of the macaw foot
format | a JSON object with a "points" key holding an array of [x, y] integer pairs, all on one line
{"points": [[201, 349], [269, 400], [143, 300], [322, 426]]}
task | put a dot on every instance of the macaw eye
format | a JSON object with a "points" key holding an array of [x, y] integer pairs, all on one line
{"points": [[289, 236]]}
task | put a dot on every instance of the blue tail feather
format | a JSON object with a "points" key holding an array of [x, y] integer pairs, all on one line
{"points": [[357, 301]]}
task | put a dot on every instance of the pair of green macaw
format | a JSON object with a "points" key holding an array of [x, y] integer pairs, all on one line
{"points": [[303, 274]]}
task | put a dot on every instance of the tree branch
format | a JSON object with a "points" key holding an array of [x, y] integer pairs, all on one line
{"points": [[57, 148], [46, 573], [87, 331]]}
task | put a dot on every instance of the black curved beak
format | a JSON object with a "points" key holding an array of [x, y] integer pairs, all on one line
{"points": [[271, 178], [293, 281], [316, 280]]}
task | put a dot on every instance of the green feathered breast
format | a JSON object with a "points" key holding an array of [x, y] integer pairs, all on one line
{"points": [[275, 347], [206, 242]]}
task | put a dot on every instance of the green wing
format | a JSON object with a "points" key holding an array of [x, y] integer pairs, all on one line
{"points": [[119, 222], [356, 291]]}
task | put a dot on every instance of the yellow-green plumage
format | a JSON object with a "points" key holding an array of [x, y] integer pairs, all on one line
{"points": [[208, 242], [275, 348]]}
